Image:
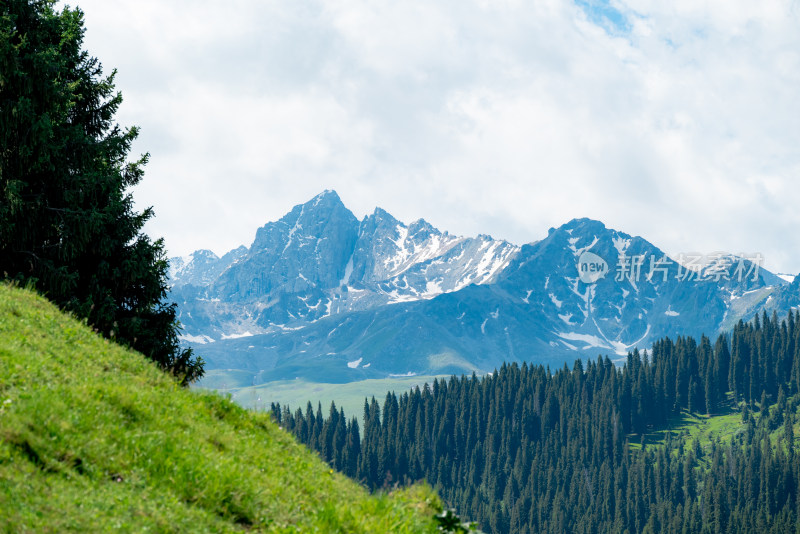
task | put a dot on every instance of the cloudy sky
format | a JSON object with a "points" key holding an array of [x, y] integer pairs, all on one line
{"points": [[678, 121]]}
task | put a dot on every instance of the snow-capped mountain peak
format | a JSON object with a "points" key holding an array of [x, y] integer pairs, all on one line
{"points": [[319, 291], [319, 260]]}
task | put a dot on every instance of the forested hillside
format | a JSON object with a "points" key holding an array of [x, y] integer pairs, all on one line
{"points": [[694, 436]]}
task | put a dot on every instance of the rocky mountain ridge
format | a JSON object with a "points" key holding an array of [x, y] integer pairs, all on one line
{"points": [[322, 295]]}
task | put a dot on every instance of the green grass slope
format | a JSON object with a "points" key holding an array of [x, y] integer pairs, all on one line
{"points": [[94, 438], [721, 428]]}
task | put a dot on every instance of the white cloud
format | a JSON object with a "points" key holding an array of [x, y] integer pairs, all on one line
{"points": [[680, 125]]}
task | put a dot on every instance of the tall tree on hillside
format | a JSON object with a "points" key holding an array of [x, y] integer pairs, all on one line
{"points": [[67, 222]]}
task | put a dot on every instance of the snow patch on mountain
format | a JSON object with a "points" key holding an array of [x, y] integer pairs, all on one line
{"points": [[236, 336], [348, 272], [411, 252], [433, 288], [178, 265], [297, 226], [201, 339], [578, 251], [621, 244], [567, 318], [589, 339]]}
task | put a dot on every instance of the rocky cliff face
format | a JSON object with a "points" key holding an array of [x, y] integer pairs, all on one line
{"points": [[319, 261], [640, 295], [322, 295]]}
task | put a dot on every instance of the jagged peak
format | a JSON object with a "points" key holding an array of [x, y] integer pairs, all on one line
{"points": [[204, 253], [236, 252], [326, 201], [380, 213], [328, 195], [379, 218], [584, 223], [316, 212], [421, 225], [587, 228]]}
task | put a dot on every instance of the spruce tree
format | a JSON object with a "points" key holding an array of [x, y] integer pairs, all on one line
{"points": [[67, 221]]}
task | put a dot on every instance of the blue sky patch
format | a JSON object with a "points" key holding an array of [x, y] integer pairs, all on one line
{"points": [[605, 15]]}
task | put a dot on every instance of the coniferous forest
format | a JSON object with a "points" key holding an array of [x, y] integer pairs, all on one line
{"points": [[529, 450]]}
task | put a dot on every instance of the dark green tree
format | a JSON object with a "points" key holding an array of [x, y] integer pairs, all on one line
{"points": [[67, 221]]}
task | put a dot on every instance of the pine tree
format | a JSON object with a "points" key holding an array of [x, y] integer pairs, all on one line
{"points": [[67, 222]]}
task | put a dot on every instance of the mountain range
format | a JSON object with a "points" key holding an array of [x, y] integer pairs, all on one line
{"points": [[326, 297]]}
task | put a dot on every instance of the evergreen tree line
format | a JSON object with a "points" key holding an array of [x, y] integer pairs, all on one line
{"points": [[529, 450]]}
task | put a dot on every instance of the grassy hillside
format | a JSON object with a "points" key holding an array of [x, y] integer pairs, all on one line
{"points": [[722, 428], [693, 426], [93, 438]]}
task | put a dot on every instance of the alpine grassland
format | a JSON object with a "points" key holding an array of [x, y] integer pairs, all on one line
{"points": [[95, 437]]}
